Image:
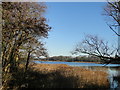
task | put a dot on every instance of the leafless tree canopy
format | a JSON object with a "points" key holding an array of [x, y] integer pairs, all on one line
{"points": [[112, 11], [93, 45]]}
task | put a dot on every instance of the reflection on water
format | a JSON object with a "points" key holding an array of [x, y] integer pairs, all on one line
{"points": [[113, 70], [113, 77]]}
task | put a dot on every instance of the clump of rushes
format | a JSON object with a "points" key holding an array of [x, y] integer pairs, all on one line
{"points": [[64, 76]]}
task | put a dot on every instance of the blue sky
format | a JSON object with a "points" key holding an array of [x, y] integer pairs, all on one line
{"points": [[71, 21]]}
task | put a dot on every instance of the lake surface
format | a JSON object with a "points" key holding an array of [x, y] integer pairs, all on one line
{"points": [[113, 70], [77, 63]]}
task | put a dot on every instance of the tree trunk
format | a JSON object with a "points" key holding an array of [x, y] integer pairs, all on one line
{"points": [[27, 63]]}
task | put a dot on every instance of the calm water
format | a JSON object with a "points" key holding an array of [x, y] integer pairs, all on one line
{"points": [[77, 63], [112, 69]]}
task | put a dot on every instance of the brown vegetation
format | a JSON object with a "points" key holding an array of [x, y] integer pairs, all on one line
{"points": [[64, 76], [58, 76], [23, 26]]}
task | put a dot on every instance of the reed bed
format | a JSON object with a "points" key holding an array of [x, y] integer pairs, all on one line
{"points": [[64, 76]]}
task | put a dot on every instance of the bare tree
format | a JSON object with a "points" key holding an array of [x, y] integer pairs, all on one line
{"points": [[33, 49], [93, 45], [112, 11]]}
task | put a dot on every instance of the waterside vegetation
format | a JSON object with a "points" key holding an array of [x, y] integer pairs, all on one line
{"points": [[62, 76]]}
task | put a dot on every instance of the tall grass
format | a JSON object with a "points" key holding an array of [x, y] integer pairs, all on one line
{"points": [[59, 76], [74, 77]]}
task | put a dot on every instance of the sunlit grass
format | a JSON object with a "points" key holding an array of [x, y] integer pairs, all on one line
{"points": [[59, 76], [74, 77]]}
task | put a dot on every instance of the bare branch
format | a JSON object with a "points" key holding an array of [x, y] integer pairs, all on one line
{"points": [[113, 30]]}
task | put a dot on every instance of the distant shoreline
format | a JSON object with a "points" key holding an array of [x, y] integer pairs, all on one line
{"points": [[71, 61]]}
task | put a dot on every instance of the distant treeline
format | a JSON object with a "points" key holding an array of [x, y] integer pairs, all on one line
{"points": [[73, 59]]}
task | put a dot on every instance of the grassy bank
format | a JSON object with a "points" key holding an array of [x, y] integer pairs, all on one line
{"points": [[60, 76], [64, 76]]}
